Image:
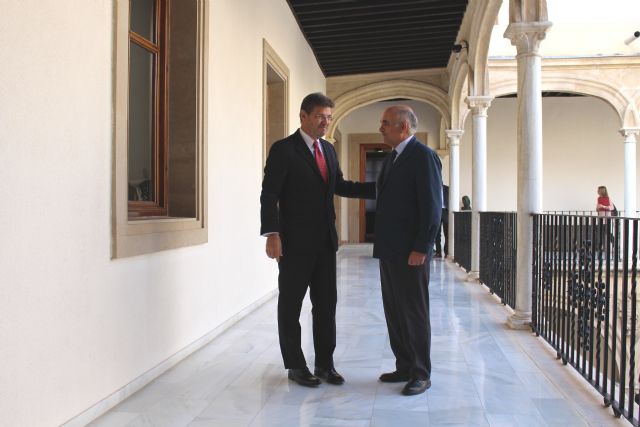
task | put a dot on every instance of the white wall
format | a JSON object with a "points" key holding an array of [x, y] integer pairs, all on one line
{"points": [[76, 326], [580, 28], [582, 149]]}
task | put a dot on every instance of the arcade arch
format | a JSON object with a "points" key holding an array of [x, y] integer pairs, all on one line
{"points": [[389, 89]]}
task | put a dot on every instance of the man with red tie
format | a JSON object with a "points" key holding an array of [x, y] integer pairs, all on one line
{"points": [[301, 176]]}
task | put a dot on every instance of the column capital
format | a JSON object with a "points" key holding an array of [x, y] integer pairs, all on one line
{"points": [[629, 134], [453, 135], [479, 104], [526, 36]]}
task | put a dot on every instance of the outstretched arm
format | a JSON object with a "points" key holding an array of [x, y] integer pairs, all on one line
{"points": [[360, 190]]}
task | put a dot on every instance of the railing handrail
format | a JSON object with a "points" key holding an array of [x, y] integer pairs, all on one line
{"points": [[590, 215]]}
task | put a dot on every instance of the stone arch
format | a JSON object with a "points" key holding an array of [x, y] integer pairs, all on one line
{"points": [[561, 81], [389, 89], [479, 40], [459, 82], [469, 75]]}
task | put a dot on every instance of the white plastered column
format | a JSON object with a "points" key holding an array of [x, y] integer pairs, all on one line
{"points": [[526, 36], [630, 202], [454, 182], [478, 106]]}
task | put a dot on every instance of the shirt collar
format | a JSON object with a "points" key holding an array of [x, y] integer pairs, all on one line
{"points": [[309, 141], [400, 147]]}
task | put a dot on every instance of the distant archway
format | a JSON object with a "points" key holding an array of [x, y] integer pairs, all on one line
{"points": [[566, 81], [389, 89]]}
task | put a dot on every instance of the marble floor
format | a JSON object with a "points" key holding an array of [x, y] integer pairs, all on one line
{"points": [[484, 374]]}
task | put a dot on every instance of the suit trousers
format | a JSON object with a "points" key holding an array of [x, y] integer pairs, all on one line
{"points": [[297, 273], [405, 298], [444, 228]]}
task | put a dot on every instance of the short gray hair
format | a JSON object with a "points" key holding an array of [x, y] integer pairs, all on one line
{"points": [[405, 113]]}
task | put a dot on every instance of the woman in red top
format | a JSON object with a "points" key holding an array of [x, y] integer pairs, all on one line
{"points": [[604, 205]]}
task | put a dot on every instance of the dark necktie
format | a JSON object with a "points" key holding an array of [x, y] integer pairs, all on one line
{"points": [[387, 169], [322, 165]]}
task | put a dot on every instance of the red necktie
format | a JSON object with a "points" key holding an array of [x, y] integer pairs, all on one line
{"points": [[322, 165]]}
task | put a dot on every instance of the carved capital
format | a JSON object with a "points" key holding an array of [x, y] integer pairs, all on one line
{"points": [[526, 36], [453, 135], [629, 134], [479, 104]]}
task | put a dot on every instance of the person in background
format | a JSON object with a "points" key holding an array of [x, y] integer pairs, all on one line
{"points": [[604, 205], [466, 203], [444, 225]]}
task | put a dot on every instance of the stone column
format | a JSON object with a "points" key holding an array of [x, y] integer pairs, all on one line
{"points": [[454, 182], [526, 36], [478, 106], [630, 170]]}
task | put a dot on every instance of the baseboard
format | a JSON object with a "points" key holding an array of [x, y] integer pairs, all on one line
{"points": [[140, 382]]}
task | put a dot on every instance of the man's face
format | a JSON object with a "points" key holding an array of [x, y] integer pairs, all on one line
{"points": [[391, 129], [316, 123]]}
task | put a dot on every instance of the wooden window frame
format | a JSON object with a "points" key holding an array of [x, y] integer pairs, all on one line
{"points": [[147, 235], [158, 206]]}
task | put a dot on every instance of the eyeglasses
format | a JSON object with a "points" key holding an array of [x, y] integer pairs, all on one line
{"points": [[321, 117]]}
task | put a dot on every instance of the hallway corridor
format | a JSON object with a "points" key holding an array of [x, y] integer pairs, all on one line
{"points": [[484, 374]]}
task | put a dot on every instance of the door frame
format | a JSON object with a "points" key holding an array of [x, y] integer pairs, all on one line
{"points": [[363, 163]]}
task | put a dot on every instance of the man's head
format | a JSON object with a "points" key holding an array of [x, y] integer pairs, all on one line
{"points": [[398, 123], [315, 114]]}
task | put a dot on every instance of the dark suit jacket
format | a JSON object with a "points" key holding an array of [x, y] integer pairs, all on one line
{"points": [[409, 204], [295, 200]]}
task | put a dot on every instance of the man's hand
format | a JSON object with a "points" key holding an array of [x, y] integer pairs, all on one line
{"points": [[416, 258], [274, 246]]}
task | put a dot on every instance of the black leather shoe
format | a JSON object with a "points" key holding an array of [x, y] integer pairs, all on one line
{"points": [[414, 387], [304, 377], [394, 377], [329, 375]]}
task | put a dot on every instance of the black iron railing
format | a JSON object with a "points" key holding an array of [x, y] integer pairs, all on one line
{"points": [[574, 212], [498, 254], [585, 300], [462, 239]]}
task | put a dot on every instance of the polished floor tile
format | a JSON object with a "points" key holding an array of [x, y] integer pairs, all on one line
{"points": [[484, 374]]}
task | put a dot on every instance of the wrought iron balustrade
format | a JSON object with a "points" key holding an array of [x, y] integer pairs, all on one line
{"points": [[462, 239], [585, 301], [498, 254]]}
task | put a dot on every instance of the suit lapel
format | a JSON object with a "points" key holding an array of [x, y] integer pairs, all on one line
{"points": [[387, 163], [406, 152], [304, 151]]}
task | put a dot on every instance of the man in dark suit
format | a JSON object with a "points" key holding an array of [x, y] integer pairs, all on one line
{"points": [[407, 219], [298, 217], [444, 225]]}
